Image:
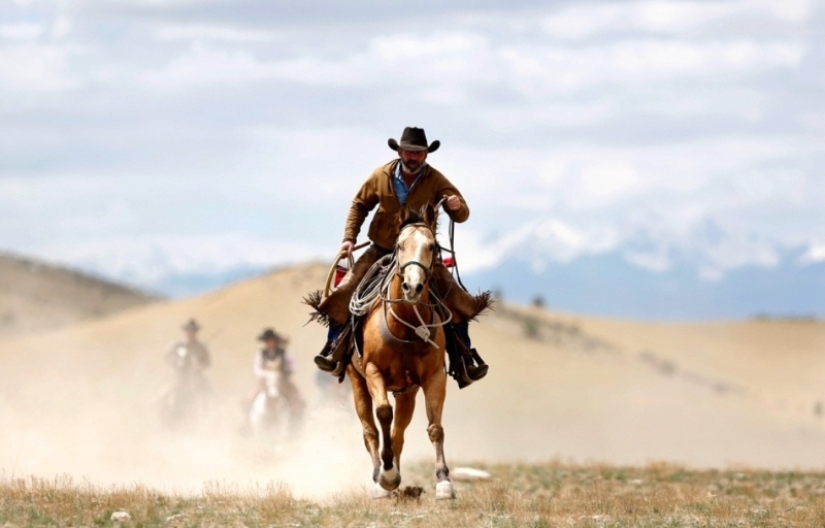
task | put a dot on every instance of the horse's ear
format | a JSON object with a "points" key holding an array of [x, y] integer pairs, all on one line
{"points": [[429, 215], [405, 215]]}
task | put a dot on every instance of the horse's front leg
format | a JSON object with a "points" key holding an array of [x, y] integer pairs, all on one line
{"points": [[404, 409], [389, 478], [435, 390], [363, 407]]}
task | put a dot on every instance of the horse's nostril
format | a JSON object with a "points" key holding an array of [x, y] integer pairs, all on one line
{"points": [[405, 286], [419, 288]]}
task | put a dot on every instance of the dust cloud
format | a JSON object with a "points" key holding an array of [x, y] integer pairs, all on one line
{"points": [[82, 401], [102, 426]]}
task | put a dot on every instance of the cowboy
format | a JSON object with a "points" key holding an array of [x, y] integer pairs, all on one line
{"points": [[406, 182], [275, 356], [190, 353]]}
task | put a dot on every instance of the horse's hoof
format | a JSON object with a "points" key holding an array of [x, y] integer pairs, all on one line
{"points": [[390, 479], [380, 493], [444, 490]]}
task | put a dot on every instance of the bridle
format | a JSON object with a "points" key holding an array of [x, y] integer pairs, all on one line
{"points": [[424, 330], [363, 300], [427, 269]]}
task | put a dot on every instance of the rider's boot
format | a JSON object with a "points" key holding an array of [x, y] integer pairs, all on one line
{"points": [[470, 354], [463, 356], [323, 360], [331, 358]]}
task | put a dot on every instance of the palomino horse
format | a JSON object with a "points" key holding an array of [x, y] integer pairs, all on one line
{"points": [[403, 352]]}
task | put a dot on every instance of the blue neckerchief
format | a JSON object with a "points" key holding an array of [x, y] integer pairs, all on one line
{"points": [[398, 185]]}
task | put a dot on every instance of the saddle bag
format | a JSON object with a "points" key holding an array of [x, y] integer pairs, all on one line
{"points": [[340, 273]]}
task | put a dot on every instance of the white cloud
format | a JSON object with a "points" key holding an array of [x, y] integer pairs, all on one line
{"points": [[674, 17], [213, 33], [444, 66], [606, 182], [20, 31], [206, 66], [61, 27], [594, 128], [657, 262], [789, 10], [577, 23], [540, 71], [596, 200], [402, 47], [665, 17], [436, 61], [569, 114], [36, 67], [815, 253], [596, 177]]}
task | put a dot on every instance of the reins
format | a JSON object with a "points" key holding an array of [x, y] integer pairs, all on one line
{"points": [[371, 290]]}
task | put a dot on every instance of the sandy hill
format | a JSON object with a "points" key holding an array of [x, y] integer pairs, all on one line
{"points": [[79, 399], [36, 296]]}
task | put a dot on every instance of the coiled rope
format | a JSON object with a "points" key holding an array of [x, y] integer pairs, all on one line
{"points": [[371, 285]]}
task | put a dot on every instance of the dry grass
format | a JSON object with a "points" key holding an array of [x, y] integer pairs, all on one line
{"points": [[542, 495]]}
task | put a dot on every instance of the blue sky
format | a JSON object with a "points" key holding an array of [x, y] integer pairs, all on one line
{"points": [[144, 138]]}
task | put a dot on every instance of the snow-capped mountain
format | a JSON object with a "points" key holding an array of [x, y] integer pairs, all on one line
{"points": [[705, 273], [612, 285]]}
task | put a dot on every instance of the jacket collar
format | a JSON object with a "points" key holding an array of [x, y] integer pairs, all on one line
{"points": [[389, 169]]}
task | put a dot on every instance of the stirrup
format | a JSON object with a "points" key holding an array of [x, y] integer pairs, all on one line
{"points": [[340, 370], [475, 373], [325, 364], [323, 361], [467, 373]]}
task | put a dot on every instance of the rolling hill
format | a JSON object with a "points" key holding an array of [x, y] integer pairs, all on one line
{"points": [[36, 296], [79, 399]]}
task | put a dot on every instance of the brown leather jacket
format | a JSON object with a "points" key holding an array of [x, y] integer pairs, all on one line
{"points": [[378, 190]]}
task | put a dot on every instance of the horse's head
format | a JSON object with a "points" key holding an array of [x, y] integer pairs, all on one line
{"points": [[415, 251]]}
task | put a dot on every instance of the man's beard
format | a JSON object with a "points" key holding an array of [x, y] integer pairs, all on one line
{"points": [[415, 168]]}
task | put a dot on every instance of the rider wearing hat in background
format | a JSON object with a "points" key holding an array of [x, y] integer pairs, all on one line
{"points": [[195, 349], [274, 355], [404, 182]]}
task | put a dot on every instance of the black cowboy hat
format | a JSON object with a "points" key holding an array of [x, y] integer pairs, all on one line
{"points": [[414, 139], [191, 325], [272, 334]]}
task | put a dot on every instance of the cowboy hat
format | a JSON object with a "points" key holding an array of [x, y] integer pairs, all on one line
{"points": [[272, 334], [191, 326], [415, 140]]}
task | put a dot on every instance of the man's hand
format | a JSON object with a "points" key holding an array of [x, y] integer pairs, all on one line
{"points": [[347, 247], [452, 203]]}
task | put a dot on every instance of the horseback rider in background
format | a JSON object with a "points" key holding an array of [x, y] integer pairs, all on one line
{"points": [[195, 352], [184, 399], [274, 355], [406, 182]]}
